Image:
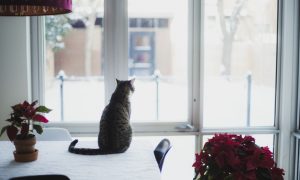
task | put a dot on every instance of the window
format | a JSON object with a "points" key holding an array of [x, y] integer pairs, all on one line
{"points": [[201, 67], [239, 63], [297, 157], [157, 58], [74, 63], [296, 138], [158, 41]]}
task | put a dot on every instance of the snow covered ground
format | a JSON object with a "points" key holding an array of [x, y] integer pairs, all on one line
{"points": [[224, 103]]}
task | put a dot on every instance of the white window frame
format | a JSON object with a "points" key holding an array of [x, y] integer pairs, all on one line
{"points": [[288, 84], [116, 53], [296, 135], [274, 130], [286, 81]]}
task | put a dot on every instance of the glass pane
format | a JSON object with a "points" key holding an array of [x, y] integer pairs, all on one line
{"points": [[158, 35], [297, 160], [239, 62], [74, 86]]}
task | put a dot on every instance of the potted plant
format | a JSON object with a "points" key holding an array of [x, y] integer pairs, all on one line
{"points": [[233, 157], [23, 120]]}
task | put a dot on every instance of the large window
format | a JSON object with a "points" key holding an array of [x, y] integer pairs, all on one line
{"points": [[201, 67], [240, 58], [240, 39], [157, 58], [74, 63], [158, 41]]}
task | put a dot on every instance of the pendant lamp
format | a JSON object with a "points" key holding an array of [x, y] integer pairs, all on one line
{"points": [[34, 7]]}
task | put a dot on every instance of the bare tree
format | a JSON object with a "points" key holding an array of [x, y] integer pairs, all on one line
{"points": [[229, 26], [89, 36]]}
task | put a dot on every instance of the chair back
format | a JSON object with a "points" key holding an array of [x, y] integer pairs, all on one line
{"points": [[54, 134], [161, 151], [42, 177]]}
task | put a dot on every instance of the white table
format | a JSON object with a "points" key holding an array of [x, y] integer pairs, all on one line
{"points": [[137, 163]]}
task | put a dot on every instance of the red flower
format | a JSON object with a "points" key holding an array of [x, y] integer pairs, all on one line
{"points": [[40, 118], [248, 140], [23, 116], [235, 157], [267, 158], [277, 173], [197, 164]]}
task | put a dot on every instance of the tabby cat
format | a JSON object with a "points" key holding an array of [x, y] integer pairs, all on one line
{"points": [[115, 131]]}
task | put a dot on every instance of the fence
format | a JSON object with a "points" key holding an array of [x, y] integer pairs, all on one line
{"points": [[157, 78]]}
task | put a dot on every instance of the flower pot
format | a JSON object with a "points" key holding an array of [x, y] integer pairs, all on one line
{"points": [[27, 157], [25, 150]]}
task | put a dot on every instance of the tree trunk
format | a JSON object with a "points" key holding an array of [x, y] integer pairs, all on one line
{"points": [[229, 28], [227, 54], [89, 38]]}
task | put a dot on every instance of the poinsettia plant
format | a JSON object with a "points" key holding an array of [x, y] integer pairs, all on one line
{"points": [[24, 119], [234, 157]]}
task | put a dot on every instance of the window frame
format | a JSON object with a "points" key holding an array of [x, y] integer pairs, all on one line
{"points": [[296, 134], [287, 80], [117, 38], [274, 130], [288, 84]]}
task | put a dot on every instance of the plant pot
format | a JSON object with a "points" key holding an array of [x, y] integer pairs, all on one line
{"points": [[25, 150], [27, 157]]}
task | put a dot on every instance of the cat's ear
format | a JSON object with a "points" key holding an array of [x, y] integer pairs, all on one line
{"points": [[118, 81], [132, 81]]}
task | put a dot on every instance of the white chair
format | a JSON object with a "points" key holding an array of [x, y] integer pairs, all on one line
{"points": [[54, 134]]}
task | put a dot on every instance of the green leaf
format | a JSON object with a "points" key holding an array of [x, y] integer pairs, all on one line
{"points": [[3, 129], [43, 109], [229, 177], [210, 178], [263, 173], [9, 120], [38, 128]]}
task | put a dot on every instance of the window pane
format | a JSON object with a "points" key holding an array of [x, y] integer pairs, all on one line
{"points": [[239, 62], [74, 86], [297, 159], [158, 33]]}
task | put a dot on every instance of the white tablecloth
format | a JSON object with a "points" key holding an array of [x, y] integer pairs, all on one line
{"points": [[137, 163]]}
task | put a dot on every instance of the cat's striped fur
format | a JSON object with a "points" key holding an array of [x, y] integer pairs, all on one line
{"points": [[115, 131]]}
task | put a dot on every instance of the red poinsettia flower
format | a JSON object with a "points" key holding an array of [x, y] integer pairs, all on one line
{"points": [[22, 119], [230, 156], [277, 173]]}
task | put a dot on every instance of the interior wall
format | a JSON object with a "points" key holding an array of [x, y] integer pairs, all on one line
{"points": [[15, 83]]}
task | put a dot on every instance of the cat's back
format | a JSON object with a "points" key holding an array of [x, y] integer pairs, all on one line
{"points": [[115, 111]]}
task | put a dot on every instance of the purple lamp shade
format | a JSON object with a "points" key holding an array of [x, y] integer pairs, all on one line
{"points": [[34, 7]]}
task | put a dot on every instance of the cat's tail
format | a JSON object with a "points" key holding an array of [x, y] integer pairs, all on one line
{"points": [[84, 151]]}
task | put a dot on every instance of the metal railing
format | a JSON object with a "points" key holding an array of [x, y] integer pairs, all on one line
{"points": [[249, 97], [61, 76], [157, 78]]}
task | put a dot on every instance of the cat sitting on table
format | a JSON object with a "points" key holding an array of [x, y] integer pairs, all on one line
{"points": [[115, 131]]}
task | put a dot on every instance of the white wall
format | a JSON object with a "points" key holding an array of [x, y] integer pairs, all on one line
{"points": [[15, 83]]}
